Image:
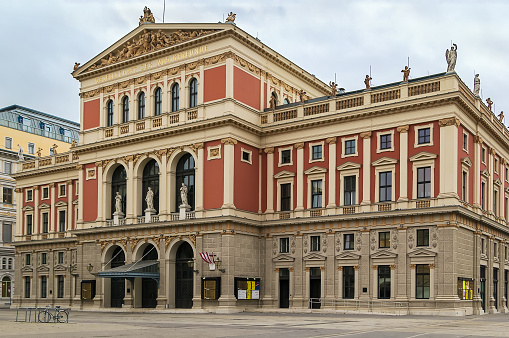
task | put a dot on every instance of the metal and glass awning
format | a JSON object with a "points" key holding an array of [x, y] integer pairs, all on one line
{"points": [[142, 269]]}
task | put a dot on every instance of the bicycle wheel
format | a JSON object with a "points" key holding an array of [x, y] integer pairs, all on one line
{"points": [[44, 316], [62, 317]]}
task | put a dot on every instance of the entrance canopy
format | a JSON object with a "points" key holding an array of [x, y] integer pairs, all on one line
{"points": [[143, 269]]}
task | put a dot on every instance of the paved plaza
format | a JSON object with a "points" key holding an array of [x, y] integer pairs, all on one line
{"points": [[142, 324]]}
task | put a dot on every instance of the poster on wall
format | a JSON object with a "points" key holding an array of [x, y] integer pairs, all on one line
{"points": [[247, 288]]}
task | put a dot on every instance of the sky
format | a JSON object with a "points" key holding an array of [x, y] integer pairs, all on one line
{"points": [[41, 40]]}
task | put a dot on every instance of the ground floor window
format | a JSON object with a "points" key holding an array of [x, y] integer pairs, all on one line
{"points": [[60, 286], [482, 286], [44, 286], [348, 282], [422, 281], [6, 287], [27, 287], [384, 282], [495, 286]]}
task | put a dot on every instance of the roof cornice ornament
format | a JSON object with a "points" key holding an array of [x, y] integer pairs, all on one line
{"points": [[147, 16]]}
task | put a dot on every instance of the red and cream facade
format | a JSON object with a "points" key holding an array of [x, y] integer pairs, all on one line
{"points": [[316, 199]]}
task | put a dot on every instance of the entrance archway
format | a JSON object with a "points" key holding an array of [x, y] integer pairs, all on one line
{"points": [[184, 277], [6, 287], [149, 286], [117, 290]]}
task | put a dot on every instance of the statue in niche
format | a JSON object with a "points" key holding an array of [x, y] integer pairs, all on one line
{"points": [[150, 199], [231, 17], [406, 73], [367, 81], [183, 195], [501, 116], [477, 85], [450, 57], [118, 203], [333, 88], [20, 153], [489, 102], [302, 95], [272, 102]]}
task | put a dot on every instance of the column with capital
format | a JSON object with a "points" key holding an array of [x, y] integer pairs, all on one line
{"points": [[491, 187], [477, 171], [403, 163], [332, 173], [52, 222], [270, 180], [199, 179], [299, 208], [448, 176], [228, 176], [366, 169], [69, 192]]}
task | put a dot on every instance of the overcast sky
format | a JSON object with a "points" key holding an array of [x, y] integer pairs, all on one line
{"points": [[42, 39]]}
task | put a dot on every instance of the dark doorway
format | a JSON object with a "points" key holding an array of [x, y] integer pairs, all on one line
{"points": [[348, 282], [117, 284], [384, 282], [315, 285], [149, 286], [284, 288], [184, 277], [482, 291], [495, 286]]}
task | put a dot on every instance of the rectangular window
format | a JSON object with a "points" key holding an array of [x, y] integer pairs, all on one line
{"points": [[45, 192], [423, 237], [316, 152], [384, 282], [348, 282], [28, 259], [483, 195], [495, 286], [349, 147], [315, 243], [385, 186], [424, 182], [61, 220], [424, 135], [483, 246], [496, 165], [7, 195], [316, 194], [385, 141], [44, 286], [422, 281], [286, 156], [483, 155], [44, 258], [350, 189], [284, 245], [384, 239], [495, 202], [505, 207], [7, 232], [464, 186], [465, 142], [286, 191], [495, 250], [27, 286], [60, 286], [29, 225], [348, 241], [61, 190], [7, 167], [8, 142], [31, 148], [246, 156], [30, 195], [45, 222], [60, 258]]}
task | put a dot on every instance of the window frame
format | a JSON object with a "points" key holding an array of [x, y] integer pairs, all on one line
{"points": [[422, 184], [141, 105], [320, 195], [249, 153], [60, 211], [420, 281], [379, 148], [311, 147], [386, 186], [109, 113], [64, 186], [8, 164], [385, 242], [422, 238], [465, 141], [280, 157], [175, 99], [29, 216], [416, 134], [351, 242], [6, 195], [125, 109], [42, 192], [158, 101], [344, 141], [314, 243], [8, 142], [193, 93], [47, 225], [284, 244], [31, 148], [289, 198]]}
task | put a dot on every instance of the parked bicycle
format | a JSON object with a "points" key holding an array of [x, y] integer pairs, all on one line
{"points": [[57, 315]]}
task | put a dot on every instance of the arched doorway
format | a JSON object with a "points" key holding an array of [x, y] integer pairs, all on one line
{"points": [[6, 287], [184, 277], [151, 179], [118, 184], [117, 284], [185, 174], [149, 286]]}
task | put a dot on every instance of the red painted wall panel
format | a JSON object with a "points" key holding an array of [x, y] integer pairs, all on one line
{"points": [[91, 114], [89, 196], [246, 88], [214, 84], [213, 179], [246, 183]]}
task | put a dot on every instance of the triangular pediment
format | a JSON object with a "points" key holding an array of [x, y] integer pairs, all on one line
{"points": [[384, 161], [485, 173], [61, 204], [466, 161], [59, 268], [497, 182], [284, 174], [422, 253], [44, 206], [283, 258], [43, 268], [349, 165], [27, 269], [383, 254], [347, 255], [28, 208], [423, 156], [314, 257], [315, 170]]}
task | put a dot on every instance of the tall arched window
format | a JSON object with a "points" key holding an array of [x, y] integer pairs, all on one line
{"points": [[185, 174], [125, 109], [193, 93], [157, 101], [117, 284], [141, 106], [118, 183], [110, 113], [151, 179], [175, 97]]}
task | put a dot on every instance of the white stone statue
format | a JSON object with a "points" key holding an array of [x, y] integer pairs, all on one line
{"points": [[20, 153], [150, 199], [183, 194], [450, 57], [118, 203], [477, 84]]}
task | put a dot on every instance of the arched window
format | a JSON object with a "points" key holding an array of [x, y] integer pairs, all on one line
{"points": [[193, 93], [141, 106], [9, 267], [157, 101], [125, 110], [175, 97], [185, 174], [6, 287], [4, 263], [287, 101], [110, 113], [117, 284], [151, 179], [118, 183]]}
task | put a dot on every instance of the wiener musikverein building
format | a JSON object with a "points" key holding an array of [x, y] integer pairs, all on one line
{"points": [[393, 197]]}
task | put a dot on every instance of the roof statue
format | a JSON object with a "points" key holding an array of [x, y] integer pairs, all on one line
{"points": [[367, 81], [39, 152], [450, 57], [76, 65], [477, 85], [302, 95], [54, 146], [73, 144], [231, 17], [20, 153], [334, 88], [489, 102], [147, 16], [501, 116], [406, 73]]}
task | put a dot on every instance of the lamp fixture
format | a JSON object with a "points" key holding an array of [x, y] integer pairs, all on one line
{"points": [[218, 265], [190, 263], [90, 267]]}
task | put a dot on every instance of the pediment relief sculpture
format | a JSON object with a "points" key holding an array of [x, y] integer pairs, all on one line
{"points": [[283, 258], [148, 42], [383, 254], [422, 253], [314, 257]]}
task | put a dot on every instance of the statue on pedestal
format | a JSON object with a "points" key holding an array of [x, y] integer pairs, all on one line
{"points": [[183, 195], [477, 85], [501, 116], [489, 102], [333, 88], [406, 73], [20, 153], [450, 57], [272, 102], [231, 17], [367, 81], [118, 203], [150, 199]]}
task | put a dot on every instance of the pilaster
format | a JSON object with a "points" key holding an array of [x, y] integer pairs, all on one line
{"points": [[403, 163], [228, 173], [270, 180], [366, 167], [332, 172], [448, 179], [299, 184]]}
